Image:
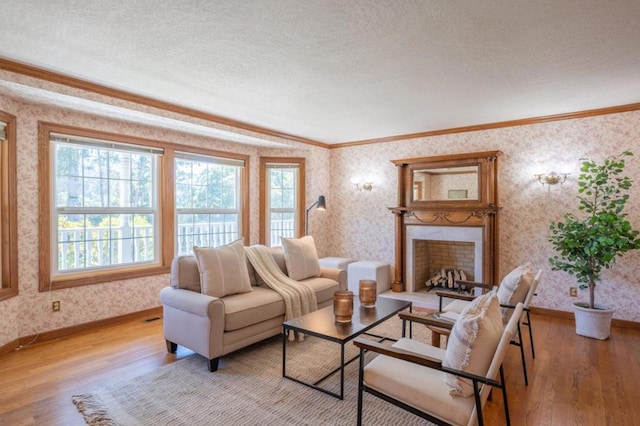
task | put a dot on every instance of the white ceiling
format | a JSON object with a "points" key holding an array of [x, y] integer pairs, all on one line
{"points": [[342, 70]]}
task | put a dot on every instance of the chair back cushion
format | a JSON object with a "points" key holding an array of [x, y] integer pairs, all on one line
{"points": [[301, 257], [223, 270], [514, 288], [473, 342]]}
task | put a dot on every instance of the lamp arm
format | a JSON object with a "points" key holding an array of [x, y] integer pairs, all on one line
{"points": [[306, 220], [310, 207]]}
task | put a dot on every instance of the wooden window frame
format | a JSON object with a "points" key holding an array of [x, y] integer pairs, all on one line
{"points": [[166, 206], [243, 193], [8, 204], [264, 161]]}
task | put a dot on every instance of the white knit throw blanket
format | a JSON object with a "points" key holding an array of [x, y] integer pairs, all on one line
{"points": [[299, 298]]}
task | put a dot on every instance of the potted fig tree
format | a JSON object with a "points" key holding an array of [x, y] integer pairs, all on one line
{"points": [[592, 240]]}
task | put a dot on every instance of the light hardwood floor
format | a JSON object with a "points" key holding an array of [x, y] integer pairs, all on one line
{"points": [[572, 381]]}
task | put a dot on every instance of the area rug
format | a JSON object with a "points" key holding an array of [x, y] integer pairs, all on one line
{"points": [[248, 389]]}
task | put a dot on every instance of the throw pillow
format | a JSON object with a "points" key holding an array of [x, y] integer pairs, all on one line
{"points": [[223, 270], [473, 342], [301, 257], [514, 288], [184, 273]]}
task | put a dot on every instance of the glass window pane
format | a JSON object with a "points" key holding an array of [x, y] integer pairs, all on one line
{"points": [[107, 179], [211, 195], [281, 203]]}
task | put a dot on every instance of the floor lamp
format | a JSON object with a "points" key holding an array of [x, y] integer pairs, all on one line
{"points": [[321, 205]]}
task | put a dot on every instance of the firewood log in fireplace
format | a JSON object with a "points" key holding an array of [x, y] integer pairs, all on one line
{"points": [[445, 278]]}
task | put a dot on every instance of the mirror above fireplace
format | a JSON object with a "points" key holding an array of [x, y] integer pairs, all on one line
{"points": [[445, 183]]}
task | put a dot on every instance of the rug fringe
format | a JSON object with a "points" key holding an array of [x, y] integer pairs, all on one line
{"points": [[93, 412]]}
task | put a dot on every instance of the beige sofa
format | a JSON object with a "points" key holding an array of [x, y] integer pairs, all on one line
{"points": [[213, 326]]}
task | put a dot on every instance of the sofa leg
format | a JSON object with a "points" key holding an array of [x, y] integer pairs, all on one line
{"points": [[213, 364], [171, 347]]}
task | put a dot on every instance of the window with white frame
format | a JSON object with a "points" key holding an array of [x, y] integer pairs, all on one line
{"points": [[208, 204], [282, 203], [105, 204]]}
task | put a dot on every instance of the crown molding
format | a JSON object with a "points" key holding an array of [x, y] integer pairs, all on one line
{"points": [[58, 78], [499, 124]]}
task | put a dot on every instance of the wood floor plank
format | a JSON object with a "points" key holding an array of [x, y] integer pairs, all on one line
{"points": [[573, 380]]}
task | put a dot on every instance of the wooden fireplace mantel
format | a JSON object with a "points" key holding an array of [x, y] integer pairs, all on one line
{"points": [[448, 190]]}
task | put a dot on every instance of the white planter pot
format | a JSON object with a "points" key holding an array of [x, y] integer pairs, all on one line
{"points": [[594, 323]]}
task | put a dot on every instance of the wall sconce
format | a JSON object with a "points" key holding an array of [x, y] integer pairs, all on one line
{"points": [[367, 186], [552, 178]]}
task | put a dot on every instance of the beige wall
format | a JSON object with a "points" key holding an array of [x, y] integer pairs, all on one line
{"points": [[30, 312], [363, 228], [357, 224]]}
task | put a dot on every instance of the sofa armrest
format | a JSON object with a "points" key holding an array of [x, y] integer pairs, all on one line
{"points": [[339, 275], [193, 320], [192, 302]]}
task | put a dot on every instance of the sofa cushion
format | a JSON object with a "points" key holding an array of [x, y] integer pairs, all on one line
{"points": [[301, 257], [473, 342], [243, 310], [185, 273], [323, 287], [223, 270]]}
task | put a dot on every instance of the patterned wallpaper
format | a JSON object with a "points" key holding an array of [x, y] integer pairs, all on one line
{"points": [[363, 227], [356, 224], [30, 312]]}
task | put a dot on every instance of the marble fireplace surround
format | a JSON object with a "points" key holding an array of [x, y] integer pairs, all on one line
{"points": [[474, 235]]}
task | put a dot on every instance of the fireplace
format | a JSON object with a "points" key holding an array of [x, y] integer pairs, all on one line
{"points": [[430, 248], [463, 215], [438, 263]]}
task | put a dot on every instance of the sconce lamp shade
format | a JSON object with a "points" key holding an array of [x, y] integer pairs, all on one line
{"points": [[320, 205]]}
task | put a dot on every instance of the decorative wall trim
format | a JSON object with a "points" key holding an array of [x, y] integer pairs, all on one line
{"points": [[77, 83], [67, 331], [497, 125], [58, 78], [570, 316]]}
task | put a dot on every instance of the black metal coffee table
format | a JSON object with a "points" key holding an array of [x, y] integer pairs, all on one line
{"points": [[321, 323]]}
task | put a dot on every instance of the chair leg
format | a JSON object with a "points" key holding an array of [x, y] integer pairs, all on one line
{"points": [[504, 396], [360, 387], [524, 362], [533, 352]]}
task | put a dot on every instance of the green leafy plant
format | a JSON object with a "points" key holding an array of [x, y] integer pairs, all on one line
{"points": [[592, 242]]}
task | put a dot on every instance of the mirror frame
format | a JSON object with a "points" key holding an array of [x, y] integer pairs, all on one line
{"points": [[487, 175]]}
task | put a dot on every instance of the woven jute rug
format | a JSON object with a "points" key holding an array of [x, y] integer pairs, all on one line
{"points": [[248, 389]]}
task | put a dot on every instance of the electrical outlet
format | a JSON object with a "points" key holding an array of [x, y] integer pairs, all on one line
{"points": [[55, 305], [573, 291]]}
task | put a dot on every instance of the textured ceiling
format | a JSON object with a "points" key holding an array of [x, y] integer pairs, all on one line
{"points": [[342, 70]]}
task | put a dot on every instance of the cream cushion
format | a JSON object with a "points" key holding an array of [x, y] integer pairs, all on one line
{"points": [[184, 273], [514, 288], [420, 387], [223, 270], [301, 257], [472, 343]]}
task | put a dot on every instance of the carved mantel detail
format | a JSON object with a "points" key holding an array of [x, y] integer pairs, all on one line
{"points": [[425, 199]]}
